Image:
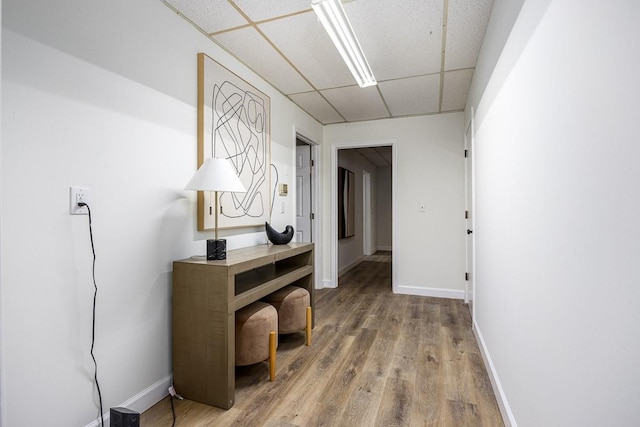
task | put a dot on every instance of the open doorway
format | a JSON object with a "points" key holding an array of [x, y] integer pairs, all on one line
{"points": [[372, 165], [304, 192]]}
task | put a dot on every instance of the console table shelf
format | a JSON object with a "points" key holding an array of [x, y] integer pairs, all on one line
{"points": [[206, 295]]}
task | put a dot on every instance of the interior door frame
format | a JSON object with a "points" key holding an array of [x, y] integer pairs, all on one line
{"points": [[333, 238], [315, 193], [470, 203], [304, 207]]}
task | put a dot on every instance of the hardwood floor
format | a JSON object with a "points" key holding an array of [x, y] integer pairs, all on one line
{"points": [[376, 359]]}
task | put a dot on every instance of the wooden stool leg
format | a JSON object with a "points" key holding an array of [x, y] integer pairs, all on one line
{"points": [[272, 356], [308, 329]]}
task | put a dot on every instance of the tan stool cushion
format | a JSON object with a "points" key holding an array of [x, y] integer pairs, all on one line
{"points": [[291, 302], [253, 325]]}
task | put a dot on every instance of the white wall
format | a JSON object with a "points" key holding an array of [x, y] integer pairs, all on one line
{"points": [[383, 208], [503, 16], [430, 245], [2, 366], [558, 202], [103, 95]]}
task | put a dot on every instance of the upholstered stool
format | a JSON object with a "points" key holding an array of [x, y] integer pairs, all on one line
{"points": [[256, 335], [294, 310]]}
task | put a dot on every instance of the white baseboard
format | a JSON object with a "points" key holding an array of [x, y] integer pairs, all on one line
{"points": [[507, 416], [429, 292], [141, 401], [385, 248], [327, 283], [350, 266]]}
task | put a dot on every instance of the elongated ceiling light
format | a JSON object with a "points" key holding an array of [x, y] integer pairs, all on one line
{"points": [[335, 22]]}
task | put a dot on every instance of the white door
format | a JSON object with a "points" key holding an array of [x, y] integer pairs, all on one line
{"points": [[303, 193], [470, 282]]}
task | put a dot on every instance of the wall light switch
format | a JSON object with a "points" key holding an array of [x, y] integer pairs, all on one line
{"points": [[421, 207]]}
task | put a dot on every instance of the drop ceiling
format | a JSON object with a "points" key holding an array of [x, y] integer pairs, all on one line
{"points": [[422, 52]]}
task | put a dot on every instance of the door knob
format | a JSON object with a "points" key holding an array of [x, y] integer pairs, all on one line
{"points": [[469, 231]]}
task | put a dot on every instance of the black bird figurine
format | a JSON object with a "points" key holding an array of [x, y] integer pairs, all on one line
{"points": [[278, 238]]}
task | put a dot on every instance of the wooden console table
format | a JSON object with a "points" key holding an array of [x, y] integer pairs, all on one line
{"points": [[206, 295]]}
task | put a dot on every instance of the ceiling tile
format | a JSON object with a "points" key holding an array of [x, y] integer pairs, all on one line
{"points": [[366, 151], [317, 106], [356, 103], [402, 39], [304, 42], [456, 88], [379, 156], [260, 10], [374, 158], [466, 25], [416, 95], [252, 49], [211, 15], [386, 154]]}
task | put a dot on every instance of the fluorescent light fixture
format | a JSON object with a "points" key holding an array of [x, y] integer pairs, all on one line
{"points": [[335, 22]]}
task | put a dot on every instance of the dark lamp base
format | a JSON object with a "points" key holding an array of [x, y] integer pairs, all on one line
{"points": [[217, 249]]}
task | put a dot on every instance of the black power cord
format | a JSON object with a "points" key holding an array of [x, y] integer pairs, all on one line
{"points": [[93, 323], [173, 411], [172, 395]]}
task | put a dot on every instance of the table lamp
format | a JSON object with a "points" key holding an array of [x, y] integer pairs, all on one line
{"points": [[216, 175]]}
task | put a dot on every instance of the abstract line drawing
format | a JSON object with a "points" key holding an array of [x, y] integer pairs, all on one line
{"points": [[233, 123], [346, 203]]}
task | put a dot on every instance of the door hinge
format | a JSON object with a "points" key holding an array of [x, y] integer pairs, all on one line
{"points": [[466, 214], [312, 163], [466, 153], [466, 276], [312, 216]]}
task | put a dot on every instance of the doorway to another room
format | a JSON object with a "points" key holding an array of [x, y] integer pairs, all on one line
{"points": [[362, 194], [304, 191]]}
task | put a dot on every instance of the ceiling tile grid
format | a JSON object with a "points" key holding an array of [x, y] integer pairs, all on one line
{"points": [[256, 52], [412, 96], [209, 15], [379, 156], [302, 39], [263, 10], [390, 34], [456, 88], [403, 40], [357, 104], [314, 104]]}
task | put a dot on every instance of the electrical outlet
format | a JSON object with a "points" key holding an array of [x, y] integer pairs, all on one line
{"points": [[78, 195]]}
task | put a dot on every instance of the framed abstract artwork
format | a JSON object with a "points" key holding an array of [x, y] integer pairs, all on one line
{"points": [[233, 123], [346, 203]]}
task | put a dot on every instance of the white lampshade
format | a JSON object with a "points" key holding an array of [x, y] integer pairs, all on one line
{"points": [[216, 175]]}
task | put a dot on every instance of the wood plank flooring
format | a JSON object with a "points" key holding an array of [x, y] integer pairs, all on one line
{"points": [[376, 359]]}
